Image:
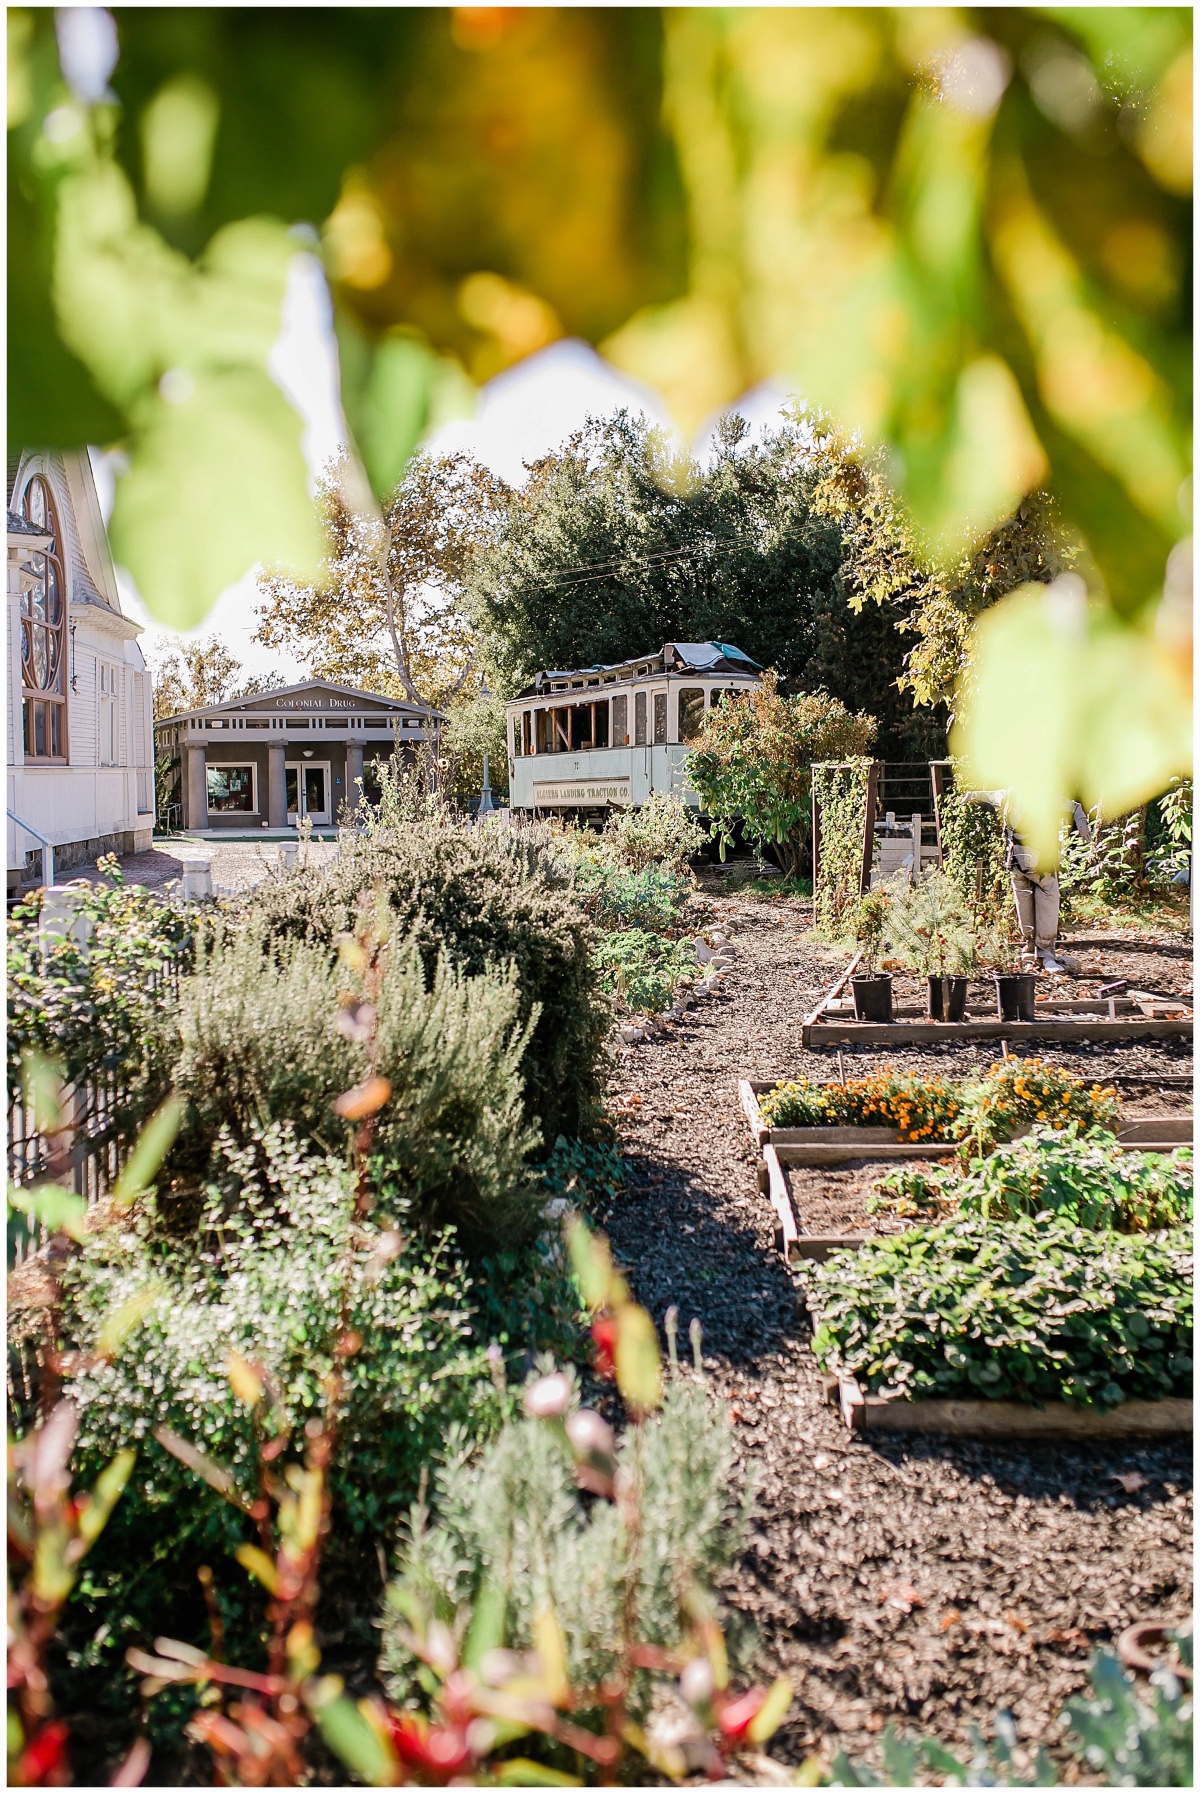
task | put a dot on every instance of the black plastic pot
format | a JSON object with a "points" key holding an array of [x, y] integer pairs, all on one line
{"points": [[872, 997], [947, 998], [1015, 996]]}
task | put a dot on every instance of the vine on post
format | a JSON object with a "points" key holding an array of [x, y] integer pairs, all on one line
{"points": [[840, 806]]}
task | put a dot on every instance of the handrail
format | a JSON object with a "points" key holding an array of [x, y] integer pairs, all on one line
{"points": [[46, 846]]}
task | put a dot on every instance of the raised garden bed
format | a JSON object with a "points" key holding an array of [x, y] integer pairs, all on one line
{"points": [[1148, 1133], [1008, 1419], [830, 1031], [819, 1193]]}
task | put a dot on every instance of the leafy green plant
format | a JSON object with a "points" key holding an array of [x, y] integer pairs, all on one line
{"points": [[929, 927], [1029, 1311], [869, 920], [91, 1004], [1088, 1181], [617, 897], [486, 899], [974, 851], [1169, 833], [644, 970], [840, 797], [259, 1036], [1023, 1092], [753, 764], [662, 832]]}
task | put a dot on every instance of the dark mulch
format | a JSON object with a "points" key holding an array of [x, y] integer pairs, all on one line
{"points": [[923, 1582]]}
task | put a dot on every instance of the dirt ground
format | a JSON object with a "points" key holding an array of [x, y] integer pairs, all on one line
{"points": [[236, 865], [921, 1582]]}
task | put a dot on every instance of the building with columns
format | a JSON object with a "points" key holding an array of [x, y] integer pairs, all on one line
{"points": [[280, 757], [80, 759]]}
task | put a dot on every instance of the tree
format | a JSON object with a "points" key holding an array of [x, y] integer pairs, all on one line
{"points": [[753, 763], [193, 674], [386, 612], [617, 544], [883, 563]]}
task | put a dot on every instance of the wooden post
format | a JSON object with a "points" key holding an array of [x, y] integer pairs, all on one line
{"points": [[937, 780], [864, 880]]}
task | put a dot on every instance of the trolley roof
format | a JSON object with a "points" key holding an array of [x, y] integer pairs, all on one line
{"points": [[676, 657]]}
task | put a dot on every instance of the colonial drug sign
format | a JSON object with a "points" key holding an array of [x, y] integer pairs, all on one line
{"points": [[565, 793]]}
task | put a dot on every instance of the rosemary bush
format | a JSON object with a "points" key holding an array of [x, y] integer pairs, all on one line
{"points": [[512, 1521], [256, 1039], [486, 898]]}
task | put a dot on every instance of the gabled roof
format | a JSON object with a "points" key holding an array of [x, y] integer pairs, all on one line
{"points": [[260, 699]]}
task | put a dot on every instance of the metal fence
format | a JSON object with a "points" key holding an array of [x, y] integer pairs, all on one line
{"points": [[92, 1140]]}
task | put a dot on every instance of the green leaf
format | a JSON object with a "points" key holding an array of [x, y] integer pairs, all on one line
{"points": [[519, 1771], [638, 1361], [106, 1492], [58, 1210], [486, 1630], [1063, 700], [356, 1742], [153, 1144]]}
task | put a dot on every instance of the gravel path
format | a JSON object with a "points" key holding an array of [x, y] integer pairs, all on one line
{"points": [[921, 1582]]}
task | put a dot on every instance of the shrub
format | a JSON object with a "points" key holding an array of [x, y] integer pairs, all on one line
{"points": [[1023, 1092], [753, 763], [616, 897], [267, 1277], [1031, 1311], [256, 1040], [917, 1107], [643, 970], [1090, 1182], [663, 832], [92, 1008], [513, 1519], [486, 898]]}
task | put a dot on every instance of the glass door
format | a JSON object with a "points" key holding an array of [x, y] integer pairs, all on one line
{"points": [[308, 786]]}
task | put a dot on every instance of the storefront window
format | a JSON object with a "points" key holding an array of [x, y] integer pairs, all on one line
{"points": [[231, 790]]}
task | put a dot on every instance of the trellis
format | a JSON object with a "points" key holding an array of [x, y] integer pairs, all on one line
{"points": [[844, 800]]}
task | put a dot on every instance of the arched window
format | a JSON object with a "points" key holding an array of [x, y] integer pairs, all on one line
{"points": [[44, 633]]}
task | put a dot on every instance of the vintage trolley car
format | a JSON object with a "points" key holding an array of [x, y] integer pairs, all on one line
{"points": [[607, 736]]}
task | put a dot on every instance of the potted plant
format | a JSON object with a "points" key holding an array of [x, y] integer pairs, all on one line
{"points": [[1016, 990], [871, 989], [930, 928]]}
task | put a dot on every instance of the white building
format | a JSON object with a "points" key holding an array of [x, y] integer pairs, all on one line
{"points": [[80, 715]]}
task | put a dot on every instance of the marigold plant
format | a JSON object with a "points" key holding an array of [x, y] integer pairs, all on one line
{"points": [[917, 1107]]}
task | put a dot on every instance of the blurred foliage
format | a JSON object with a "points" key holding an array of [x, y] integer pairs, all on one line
{"points": [[966, 232]]}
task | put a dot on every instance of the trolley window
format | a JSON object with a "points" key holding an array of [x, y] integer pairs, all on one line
{"points": [[640, 731], [620, 728], [660, 718], [691, 712]]}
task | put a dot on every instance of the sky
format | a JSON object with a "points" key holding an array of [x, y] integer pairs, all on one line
{"points": [[520, 415]]}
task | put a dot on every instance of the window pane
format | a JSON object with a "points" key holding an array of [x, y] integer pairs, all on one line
{"points": [[620, 721], [602, 725], [314, 790], [691, 712], [292, 788], [56, 729], [660, 717], [39, 731], [639, 719], [517, 744], [715, 697], [230, 788]]}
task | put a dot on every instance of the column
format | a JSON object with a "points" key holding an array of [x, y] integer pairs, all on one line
{"points": [[276, 785], [354, 771], [195, 788]]}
